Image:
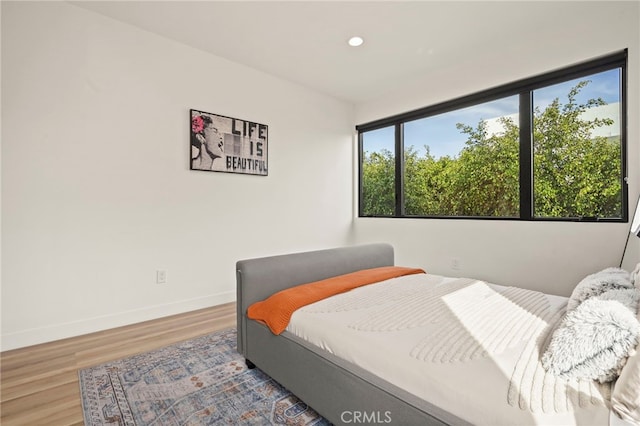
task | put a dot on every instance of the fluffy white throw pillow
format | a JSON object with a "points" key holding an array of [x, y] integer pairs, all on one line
{"points": [[594, 340], [598, 283], [629, 297]]}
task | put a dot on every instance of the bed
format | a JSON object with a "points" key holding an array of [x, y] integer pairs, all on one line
{"points": [[354, 360]]}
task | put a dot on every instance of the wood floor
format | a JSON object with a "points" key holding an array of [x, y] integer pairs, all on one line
{"points": [[39, 384]]}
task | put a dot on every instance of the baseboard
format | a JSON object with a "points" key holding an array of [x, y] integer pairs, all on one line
{"points": [[53, 332]]}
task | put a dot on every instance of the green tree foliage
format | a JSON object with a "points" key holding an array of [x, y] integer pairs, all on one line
{"points": [[378, 183], [575, 174]]}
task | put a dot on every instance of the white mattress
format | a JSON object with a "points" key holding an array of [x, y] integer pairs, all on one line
{"points": [[469, 347]]}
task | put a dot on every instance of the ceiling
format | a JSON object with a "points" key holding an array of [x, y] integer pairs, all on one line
{"points": [[306, 42]]}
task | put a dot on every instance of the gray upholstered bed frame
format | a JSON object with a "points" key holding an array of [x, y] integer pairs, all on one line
{"points": [[335, 388]]}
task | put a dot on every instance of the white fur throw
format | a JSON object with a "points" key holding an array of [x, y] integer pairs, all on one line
{"points": [[598, 283], [594, 340], [629, 297]]}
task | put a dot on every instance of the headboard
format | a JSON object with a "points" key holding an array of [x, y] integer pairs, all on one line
{"points": [[258, 278]]}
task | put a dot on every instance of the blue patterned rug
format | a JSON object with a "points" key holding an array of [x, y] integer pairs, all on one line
{"points": [[203, 381]]}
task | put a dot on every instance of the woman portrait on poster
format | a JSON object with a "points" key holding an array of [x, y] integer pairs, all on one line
{"points": [[207, 144]]}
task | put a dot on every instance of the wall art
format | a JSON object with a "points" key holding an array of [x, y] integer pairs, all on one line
{"points": [[225, 144]]}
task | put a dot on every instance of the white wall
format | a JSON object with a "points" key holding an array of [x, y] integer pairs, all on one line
{"points": [[632, 252], [550, 257], [96, 188]]}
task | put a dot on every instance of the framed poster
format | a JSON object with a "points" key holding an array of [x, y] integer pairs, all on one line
{"points": [[225, 144]]}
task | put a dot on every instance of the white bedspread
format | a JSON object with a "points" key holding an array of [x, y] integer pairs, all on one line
{"points": [[469, 347]]}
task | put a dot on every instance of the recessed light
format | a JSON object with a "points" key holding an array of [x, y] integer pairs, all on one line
{"points": [[355, 41]]}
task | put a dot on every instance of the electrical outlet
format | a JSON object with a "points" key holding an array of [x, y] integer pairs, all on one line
{"points": [[455, 264], [161, 276]]}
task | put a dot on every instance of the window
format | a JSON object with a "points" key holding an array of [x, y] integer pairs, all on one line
{"points": [[577, 148], [379, 176], [461, 170], [546, 148]]}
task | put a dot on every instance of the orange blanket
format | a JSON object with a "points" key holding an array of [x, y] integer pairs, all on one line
{"points": [[276, 310]]}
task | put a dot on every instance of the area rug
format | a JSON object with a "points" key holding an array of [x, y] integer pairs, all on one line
{"points": [[203, 381]]}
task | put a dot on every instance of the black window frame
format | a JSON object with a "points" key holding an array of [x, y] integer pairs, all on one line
{"points": [[524, 88]]}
